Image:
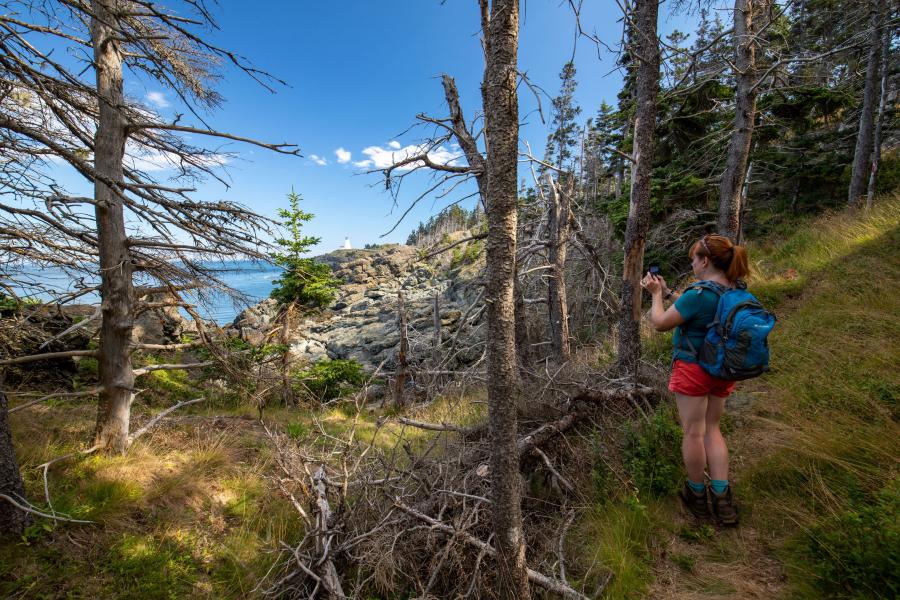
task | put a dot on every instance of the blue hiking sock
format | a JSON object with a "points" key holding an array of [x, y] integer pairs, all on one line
{"points": [[697, 487], [719, 486]]}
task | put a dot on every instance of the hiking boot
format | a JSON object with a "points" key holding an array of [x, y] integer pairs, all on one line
{"points": [[695, 502], [723, 507]]}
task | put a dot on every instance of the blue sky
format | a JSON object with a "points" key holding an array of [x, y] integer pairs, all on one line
{"points": [[358, 73]]}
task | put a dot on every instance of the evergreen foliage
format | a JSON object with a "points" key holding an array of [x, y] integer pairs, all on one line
{"points": [[330, 379], [304, 281], [564, 128], [652, 454], [451, 219], [803, 142]]}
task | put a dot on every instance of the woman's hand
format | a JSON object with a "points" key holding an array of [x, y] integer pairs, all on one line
{"points": [[653, 283]]}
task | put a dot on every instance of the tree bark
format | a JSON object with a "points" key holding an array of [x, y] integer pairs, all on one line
{"points": [[287, 389], [400, 378], [12, 520], [730, 189], [116, 289], [863, 151], [557, 303], [501, 109], [879, 119], [436, 333], [647, 90]]}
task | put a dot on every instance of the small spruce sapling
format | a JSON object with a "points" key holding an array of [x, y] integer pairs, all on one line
{"points": [[304, 281]]}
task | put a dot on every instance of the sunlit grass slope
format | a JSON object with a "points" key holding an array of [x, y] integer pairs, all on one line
{"points": [[192, 510]]}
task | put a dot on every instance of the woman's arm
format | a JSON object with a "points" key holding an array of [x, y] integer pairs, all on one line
{"points": [[664, 319], [661, 318]]}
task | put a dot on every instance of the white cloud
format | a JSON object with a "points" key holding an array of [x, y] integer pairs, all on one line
{"points": [[382, 158], [343, 156], [157, 99], [318, 160]]}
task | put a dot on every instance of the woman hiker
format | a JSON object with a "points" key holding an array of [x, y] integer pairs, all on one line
{"points": [[700, 397]]}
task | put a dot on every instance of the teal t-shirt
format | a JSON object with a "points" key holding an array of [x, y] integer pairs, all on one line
{"points": [[698, 307]]}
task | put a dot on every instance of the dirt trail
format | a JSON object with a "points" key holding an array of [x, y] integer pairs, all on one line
{"points": [[702, 561]]}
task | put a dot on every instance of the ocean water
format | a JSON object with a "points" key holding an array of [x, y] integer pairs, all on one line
{"points": [[253, 279]]}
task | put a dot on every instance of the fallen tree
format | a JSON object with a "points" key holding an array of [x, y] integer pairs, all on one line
{"points": [[415, 515]]}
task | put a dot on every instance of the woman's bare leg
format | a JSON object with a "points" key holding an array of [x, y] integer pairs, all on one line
{"points": [[716, 449], [692, 412]]}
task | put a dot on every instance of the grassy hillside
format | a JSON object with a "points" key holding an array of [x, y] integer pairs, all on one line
{"points": [[813, 443]]}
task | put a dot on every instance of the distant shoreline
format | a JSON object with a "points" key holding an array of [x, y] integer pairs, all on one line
{"points": [[254, 279]]}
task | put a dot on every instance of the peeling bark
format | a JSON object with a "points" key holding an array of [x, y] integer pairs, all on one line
{"points": [[647, 91]]}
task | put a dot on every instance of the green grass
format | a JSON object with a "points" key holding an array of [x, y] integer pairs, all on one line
{"points": [[190, 511], [831, 400], [821, 458], [614, 538]]}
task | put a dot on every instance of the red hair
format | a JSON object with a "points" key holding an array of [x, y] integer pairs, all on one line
{"points": [[729, 258]]}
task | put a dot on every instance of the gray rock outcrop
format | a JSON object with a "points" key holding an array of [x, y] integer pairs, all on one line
{"points": [[361, 324]]}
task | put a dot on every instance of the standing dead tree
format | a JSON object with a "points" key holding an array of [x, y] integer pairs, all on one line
{"points": [[748, 18], [558, 225], [887, 35], [52, 112], [865, 132], [402, 365], [13, 520], [495, 177], [500, 28], [646, 50]]}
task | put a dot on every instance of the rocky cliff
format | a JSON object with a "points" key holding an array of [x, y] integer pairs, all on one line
{"points": [[362, 323]]}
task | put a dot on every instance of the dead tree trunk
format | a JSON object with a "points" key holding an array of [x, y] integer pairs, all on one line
{"points": [[867, 117], [116, 290], [746, 14], [647, 89], [287, 389], [879, 119], [745, 192], [400, 378], [557, 302], [501, 108], [13, 521], [436, 333]]}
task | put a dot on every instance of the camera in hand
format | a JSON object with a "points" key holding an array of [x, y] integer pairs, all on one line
{"points": [[654, 269]]}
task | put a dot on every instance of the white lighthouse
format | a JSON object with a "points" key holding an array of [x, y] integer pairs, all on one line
{"points": [[347, 245]]}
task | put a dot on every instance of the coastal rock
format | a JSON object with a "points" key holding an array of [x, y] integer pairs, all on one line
{"points": [[362, 324]]}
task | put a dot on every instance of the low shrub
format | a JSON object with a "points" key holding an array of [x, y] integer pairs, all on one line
{"points": [[856, 554], [329, 379], [652, 453]]}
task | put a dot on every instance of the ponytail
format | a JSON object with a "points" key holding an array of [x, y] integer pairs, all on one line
{"points": [[739, 267], [724, 255]]}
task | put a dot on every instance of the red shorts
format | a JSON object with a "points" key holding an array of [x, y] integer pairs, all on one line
{"points": [[689, 379]]}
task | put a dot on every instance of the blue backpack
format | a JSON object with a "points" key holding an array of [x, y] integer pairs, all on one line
{"points": [[735, 346]]}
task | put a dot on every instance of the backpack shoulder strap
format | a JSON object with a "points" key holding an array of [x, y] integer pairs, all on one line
{"points": [[717, 288]]}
